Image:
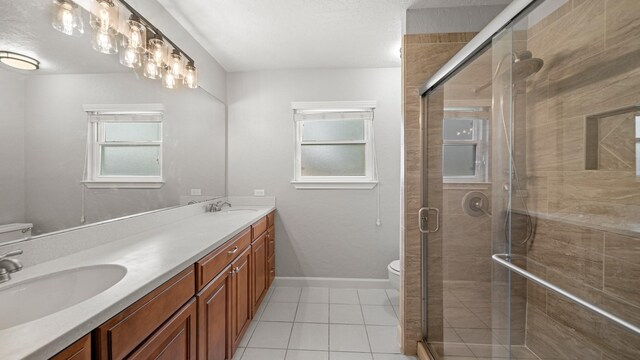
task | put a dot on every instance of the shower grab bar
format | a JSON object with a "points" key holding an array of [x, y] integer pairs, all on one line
{"points": [[505, 260]]}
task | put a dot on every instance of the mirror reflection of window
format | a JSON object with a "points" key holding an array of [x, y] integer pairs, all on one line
{"points": [[464, 150]]}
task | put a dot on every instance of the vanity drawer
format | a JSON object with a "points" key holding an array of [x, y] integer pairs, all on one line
{"points": [[80, 350], [120, 335], [210, 266], [271, 241], [259, 227], [271, 218]]}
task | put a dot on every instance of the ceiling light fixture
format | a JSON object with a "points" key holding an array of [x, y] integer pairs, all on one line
{"points": [[19, 61]]}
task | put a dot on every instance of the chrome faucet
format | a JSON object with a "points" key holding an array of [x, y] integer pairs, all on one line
{"points": [[9, 265], [217, 206]]}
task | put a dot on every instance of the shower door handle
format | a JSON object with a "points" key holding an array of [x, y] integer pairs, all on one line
{"points": [[423, 220]]}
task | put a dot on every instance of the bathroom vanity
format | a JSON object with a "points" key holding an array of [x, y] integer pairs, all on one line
{"points": [[190, 290]]}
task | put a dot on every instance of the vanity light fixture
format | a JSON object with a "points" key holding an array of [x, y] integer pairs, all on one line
{"points": [[105, 42], [66, 18], [157, 49], [142, 44], [135, 34], [150, 68], [191, 76], [176, 64], [168, 79], [134, 42], [130, 58], [104, 21], [104, 16], [19, 61]]}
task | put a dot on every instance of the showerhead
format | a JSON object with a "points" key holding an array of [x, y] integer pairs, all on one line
{"points": [[523, 68]]}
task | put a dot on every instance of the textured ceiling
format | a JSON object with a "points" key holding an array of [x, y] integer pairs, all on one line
{"points": [[25, 28], [246, 35]]}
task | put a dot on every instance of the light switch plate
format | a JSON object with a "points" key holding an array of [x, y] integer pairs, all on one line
{"points": [[258, 192], [196, 192]]}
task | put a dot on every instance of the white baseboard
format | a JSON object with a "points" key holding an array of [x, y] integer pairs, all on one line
{"points": [[349, 283]]}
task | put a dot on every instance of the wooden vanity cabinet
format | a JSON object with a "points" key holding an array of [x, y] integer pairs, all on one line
{"points": [[175, 340], [224, 303], [260, 275], [118, 337], [240, 297], [80, 350], [212, 264], [214, 318], [271, 254], [202, 313]]}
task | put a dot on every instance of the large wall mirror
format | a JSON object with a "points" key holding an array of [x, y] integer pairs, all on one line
{"points": [[84, 139]]}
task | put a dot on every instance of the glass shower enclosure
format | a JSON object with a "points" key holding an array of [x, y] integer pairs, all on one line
{"points": [[531, 189]]}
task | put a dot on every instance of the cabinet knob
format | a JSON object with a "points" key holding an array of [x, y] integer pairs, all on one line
{"points": [[231, 252]]}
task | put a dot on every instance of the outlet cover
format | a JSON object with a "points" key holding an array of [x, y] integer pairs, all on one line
{"points": [[258, 192], [196, 192]]}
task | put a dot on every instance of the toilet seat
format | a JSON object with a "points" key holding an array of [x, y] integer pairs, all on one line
{"points": [[394, 266]]}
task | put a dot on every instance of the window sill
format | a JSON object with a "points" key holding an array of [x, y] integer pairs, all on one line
{"points": [[334, 185], [123, 184]]}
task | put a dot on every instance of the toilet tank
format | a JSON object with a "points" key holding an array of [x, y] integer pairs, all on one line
{"points": [[10, 232]]}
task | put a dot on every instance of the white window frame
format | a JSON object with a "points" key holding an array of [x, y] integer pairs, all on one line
{"points": [[480, 141], [369, 180], [151, 113]]}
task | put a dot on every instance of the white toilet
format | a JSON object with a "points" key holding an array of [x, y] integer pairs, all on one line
{"points": [[10, 232], [394, 274]]}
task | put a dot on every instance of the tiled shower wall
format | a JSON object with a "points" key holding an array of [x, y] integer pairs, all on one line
{"points": [[591, 50], [587, 239], [422, 56]]}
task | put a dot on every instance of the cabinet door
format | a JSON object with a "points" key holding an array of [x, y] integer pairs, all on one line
{"points": [[259, 271], [175, 340], [272, 270], [80, 350], [214, 318], [240, 296]]}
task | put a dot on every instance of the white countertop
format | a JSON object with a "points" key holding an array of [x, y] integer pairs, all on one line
{"points": [[151, 258]]}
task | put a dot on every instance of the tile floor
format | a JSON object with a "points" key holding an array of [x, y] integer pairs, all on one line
{"points": [[324, 324]]}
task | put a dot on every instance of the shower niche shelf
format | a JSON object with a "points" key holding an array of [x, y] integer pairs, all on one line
{"points": [[612, 140]]}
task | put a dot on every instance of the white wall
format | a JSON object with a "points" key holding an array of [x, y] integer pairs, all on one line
{"points": [[319, 233], [194, 147], [452, 19], [12, 191]]}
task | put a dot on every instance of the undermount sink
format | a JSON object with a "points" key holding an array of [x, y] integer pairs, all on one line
{"points": [[236, 211], [35, 298]]}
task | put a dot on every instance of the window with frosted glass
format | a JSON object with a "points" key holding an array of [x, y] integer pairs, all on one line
{"points": [[333, 148], [334, 145], [333, 160], [332, 130], [129, 149], [131, 131], [119, 160]]}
